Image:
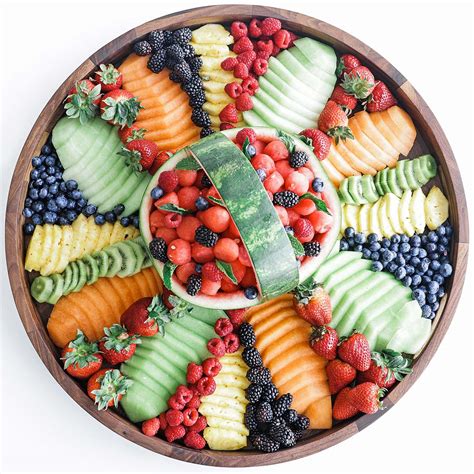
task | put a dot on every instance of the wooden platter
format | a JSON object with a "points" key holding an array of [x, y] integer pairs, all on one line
{"points": [[430, 139]]}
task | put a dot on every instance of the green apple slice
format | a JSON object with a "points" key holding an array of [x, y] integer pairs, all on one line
{"points": [[387, 229], [392, 204], [364, 225], [417, 210], [436, 208], [374, 224], [404, 213], [352, 215]]}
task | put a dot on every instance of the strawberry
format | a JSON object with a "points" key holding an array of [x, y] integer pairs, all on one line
{"points": [[255, 30], [347, 101], [83, 100], [117, 345], [127, 134], [339, 375], [355, 350], [244, 102], [333, 121], [366, 397], [342, 408], [81, 357], [146, 317], [120, 107], [229, 113], [160, 160], [246, 134], [228, 64], [312, 303], [140, 154], [359, 82], [320, 142], [106, 387], [380, 99], [345, 64], [324, 341], [238, 29], [270, 26], [386, 368], [236, 316], [108, 77]]}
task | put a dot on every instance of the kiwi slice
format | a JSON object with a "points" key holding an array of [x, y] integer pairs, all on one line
{"points": [[67, 275], [102, 259], [378, 186], [418, 172], [401, 179], [92, 269], [147, 262], [383, 181], [393, 183], [368, 188], [355, 190], [58, 285], [41, 288], [410, 176], [128, 259], [139, 254], [75, 277], [115, 260], [82, 274], [428, 165], [344, 192]]}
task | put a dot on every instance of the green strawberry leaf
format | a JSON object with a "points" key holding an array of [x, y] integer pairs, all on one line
{"points": [[320, 204], [172, 208], [168, 271], [306, 140], [226, 268], [297, 245], [188, 163]]}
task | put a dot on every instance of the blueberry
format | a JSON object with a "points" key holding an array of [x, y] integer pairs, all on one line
{"points": [[80, 203], [50, 217], [53, 189], [358, 248], [434, 265], [28, 228], [431, 298], [372, 238], [445, 270], [410, 269], [426, 311], [431, 247], [118, 209], [36, 161], [423, 266], [27, 212], [63, 221], [76, 195], [385, 242], [34, 174], [50, 180], [419, 295], [343, 245], [404, 247], [387, 256], [416, 279], [449, 229], [71, 184], [136, 221], [62, 187], [415, 240], [36, 219], [433, 287], [432, 236], [51, 170], [290, 230], [444, 241], [392, 267], [58, 175], [400, 273], [424, 239], [46, 149], [38, 183], [89, 210], [415, 251], [374, 246], [41, 168], [442, 249], [438, 279], [51, 205], [429, 273], [28, 202], [124, 221], [99, 219], [157, 192], [317, 185], [375, 256], [43, 175], [435, 306], [349, 232], [399, 260], [407, 281], [71, 216], [377, 266], [250, 293], [71, 204], [201, 203], [61, 201], [38, 206], [198, 268], [394, 247], [415, 261], [440, 293], [351, 242], [261, 174], [251, 150], [359, 238], [404, 239], [50, 161], [110, 217], [366, 253], [395, 239]]}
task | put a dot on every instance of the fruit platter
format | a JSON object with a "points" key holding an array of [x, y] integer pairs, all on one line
{"points": [[236, 235]]}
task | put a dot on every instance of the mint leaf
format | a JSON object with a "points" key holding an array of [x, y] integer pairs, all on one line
{"points": [[172, 208], [217, 201], [245, 147], [226, 268], [297, 245], [168, 271], [287, 140], [320, 204], [188, 163]]}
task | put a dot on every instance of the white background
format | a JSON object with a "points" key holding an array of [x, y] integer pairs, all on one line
{"points": [[43, 430]]}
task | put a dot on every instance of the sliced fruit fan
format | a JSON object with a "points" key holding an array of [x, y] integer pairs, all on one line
{"points": [[233, 238]]}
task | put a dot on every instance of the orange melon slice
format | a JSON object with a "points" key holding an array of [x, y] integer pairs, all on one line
{"points": [[334, 174], [386, 131], [402, 123], [320, 410], [358, 150], [354, 161], [340, 163]]}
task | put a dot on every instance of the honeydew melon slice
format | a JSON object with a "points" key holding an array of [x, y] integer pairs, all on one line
{"points": [[273, 118], [411, 339], [253, 119], [318, 53], [417, 210], [335, 263], [341, 274]]}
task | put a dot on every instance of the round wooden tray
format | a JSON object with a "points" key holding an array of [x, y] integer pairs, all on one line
{"points": [[430, 139]]}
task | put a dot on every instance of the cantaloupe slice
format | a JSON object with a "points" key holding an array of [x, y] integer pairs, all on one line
{"points": [[355, 161], [340, 163], [399, 117], [358, 150], [333, 173], [378, 120]]}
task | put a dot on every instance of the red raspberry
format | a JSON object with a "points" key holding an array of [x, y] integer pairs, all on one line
{"points": [[216, 347], [225, 126], [212, 366], [163, 422], [246, 133], [282, 39], [238, 29], [168, 181], [242, 45], [303, 228], [247, 58], [211, 272], [244, 102], [250, 85], [236, 316], [231, 342], [241, 71], [183, 394], [206, 386], [222, 327], [265, 45], [200, 424], [293, 38], [270, 26], [150, 427], [194, 373], [172, 433], [190, 416], [264, 55], [174, 417], [255, 30], [276, 50], [229, 113], [260, 66], [233, 89], [194, 440], [229, 64], [194, 402], [174, 403]]}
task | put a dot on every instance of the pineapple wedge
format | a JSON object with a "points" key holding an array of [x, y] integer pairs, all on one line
{"points": [[417, 210], [54, 254], [210, 64], [214, 87], [79, 229], [352, 216], [385, 225], [47, 245], [104, 236], [34, 253], [374, 223], [404, 213], [436, 208], [221, 99], [66, 247], [212, 33], [392, 204], [93, 233], [220, 76], [214, 50], [364, 212]]}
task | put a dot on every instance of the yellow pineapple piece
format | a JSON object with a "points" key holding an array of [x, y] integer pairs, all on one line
{"points": [[212, 33], [46, 245], [219, 98], [93, 233], [219, 75], [213, 87], [79, 229], [213, 109], [214, 50], [104, 236], [118, 233], [436, 208], [54, 254], [66, 247], [132, 233], [241, 122], [35, 248], [212, 64], [215, 121]]}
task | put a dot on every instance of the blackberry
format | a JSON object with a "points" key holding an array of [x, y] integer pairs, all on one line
{"points": [[298, 434], [183, 71], [175, 51], [197, 100], [200, 118], [170, 62], [158, 249], [206, 131], [205, 236], [193, 284], [260, 375], [193, 85], [249, 418], [205, 181], [312, 249], [301, 423], [254, 392], [286, 198], [277, 422], [264, 413], [298, 159], [263, 443], [282, 404], [156, 39], [142, 48], [157, 62], [270, 392], [168, 37], [182, 36], [290, 416], [252, 357], [247, 335], [188, 51], [195, 64], [174, 77], [283, 435]]}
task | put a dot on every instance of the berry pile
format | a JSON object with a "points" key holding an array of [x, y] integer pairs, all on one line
{"points": [[272, 423], [254, 44], [228, 340], [420, 262], [171, 49]]}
